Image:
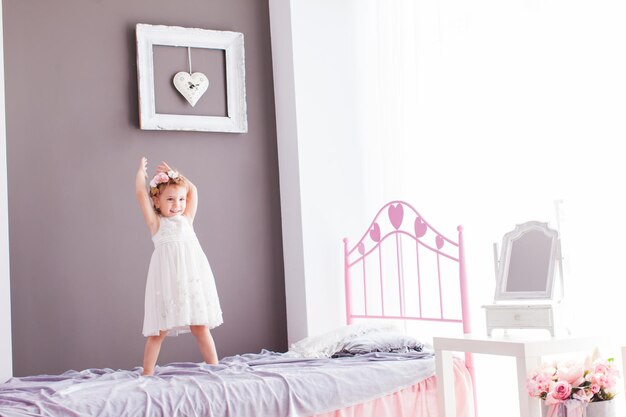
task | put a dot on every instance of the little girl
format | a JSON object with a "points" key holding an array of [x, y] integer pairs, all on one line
{"points": [[180, 290]]}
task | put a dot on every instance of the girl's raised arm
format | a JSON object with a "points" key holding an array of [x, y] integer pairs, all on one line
{"points": [[145, 204], [192, 193], [192, 200]]}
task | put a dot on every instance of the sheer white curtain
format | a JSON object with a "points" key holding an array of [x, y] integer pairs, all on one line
{"points": [[486, 112]]}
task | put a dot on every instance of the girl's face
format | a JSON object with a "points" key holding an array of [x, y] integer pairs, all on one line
{"points": [[172, 200]]}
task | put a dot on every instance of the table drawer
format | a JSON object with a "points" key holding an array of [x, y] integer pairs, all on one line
{"points": [[527, 317]]}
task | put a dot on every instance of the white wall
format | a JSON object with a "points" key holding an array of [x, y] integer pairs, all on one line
{"points": [[6, 360], [320, 166], [289, 165], [330, 157], [518, 104]]}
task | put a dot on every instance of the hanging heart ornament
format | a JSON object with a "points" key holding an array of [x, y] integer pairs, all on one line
{"points": [[191, 86]]}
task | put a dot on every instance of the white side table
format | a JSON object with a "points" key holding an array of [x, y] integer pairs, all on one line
{"points": [[527, 352]]}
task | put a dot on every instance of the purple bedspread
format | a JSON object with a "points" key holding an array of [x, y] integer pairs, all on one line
{"points": [[267, 384]]}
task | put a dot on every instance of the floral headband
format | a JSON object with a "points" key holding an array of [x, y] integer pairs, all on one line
{"points": [[162, 178]]}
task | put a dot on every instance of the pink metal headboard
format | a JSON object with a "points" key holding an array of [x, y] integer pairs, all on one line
{"points": [[393, 220], [403, 220]]}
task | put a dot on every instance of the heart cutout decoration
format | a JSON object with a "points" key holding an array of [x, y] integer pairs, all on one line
{"points": [[396, 213], [420, 227], [439, 242], [361, 248], [191, 86], [375, 233]]}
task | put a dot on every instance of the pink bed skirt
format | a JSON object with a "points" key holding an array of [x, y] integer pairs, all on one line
{"points": [[419, 400]]}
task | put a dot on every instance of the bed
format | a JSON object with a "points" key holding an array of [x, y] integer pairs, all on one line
{"points": [[368, 368]]}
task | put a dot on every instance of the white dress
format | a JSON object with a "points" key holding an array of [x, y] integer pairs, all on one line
{"points": [[180, 289]]}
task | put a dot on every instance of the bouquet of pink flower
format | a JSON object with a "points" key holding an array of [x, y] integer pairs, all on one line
{"points": [[565, 381]]}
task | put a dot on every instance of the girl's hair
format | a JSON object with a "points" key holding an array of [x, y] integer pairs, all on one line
{"points": [[178, 181], [163, 180]]}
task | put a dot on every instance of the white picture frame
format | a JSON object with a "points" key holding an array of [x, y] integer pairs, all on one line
{"points": [[231, 43]]}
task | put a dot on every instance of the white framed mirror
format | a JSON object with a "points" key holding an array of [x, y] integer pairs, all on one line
{"points": [[529, 259], [525, 280]]}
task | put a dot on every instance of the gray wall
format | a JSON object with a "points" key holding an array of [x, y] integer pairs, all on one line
{"points": [[79, 247]]}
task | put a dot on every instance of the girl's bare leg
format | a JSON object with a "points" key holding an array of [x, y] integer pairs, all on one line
{"points": [[151, 352], [205, 343]]}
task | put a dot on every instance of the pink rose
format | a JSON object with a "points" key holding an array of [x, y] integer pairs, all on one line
{"points": [[601, 368], [537, 385], [595, 388], [611, 381], [599, 379], [612, 375], [560, 392], [162, 178]]}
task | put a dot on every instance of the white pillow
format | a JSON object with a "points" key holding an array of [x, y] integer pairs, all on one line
{"points": [[327, 344], [382, 342]]}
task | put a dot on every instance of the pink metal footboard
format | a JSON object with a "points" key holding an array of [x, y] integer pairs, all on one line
{"points": [[400, 240]]}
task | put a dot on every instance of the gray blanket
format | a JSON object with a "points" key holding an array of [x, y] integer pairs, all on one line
{"points": [[267, 384]]}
